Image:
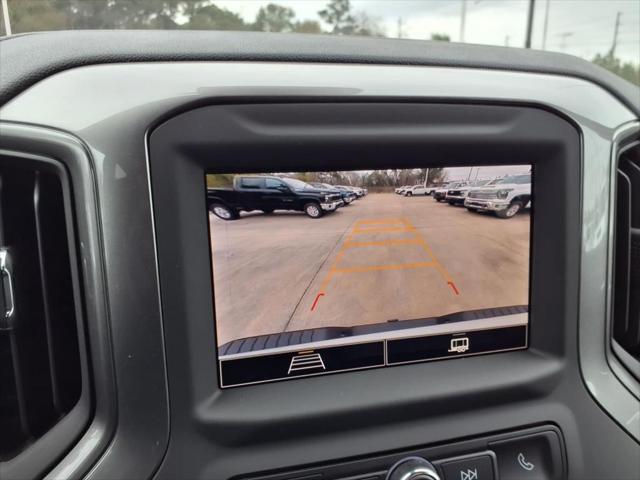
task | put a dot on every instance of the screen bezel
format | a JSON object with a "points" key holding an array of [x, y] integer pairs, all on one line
{"points": [[210, 138], [396, 364]]}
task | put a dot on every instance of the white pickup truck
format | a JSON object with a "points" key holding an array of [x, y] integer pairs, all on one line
{"points": [[415, 190], [456, 196], [506, 197]]}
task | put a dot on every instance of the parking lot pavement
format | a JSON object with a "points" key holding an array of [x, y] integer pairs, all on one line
{"points": [[385, 257]]}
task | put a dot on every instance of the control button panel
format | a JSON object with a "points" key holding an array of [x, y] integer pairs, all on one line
{"points": [[530, 457], [469, 467], [535, 453]]}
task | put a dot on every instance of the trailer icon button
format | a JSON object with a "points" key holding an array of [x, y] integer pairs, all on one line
{"points": [[459, 345]]}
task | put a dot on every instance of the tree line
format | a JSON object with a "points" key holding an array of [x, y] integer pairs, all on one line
{"points": [[369, 179], [44, 15], [338, 17]]}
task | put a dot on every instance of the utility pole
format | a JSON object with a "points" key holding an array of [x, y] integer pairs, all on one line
{"points": [[527, 40], [399, 27], [615, 35], [546, 23], [463, 19], [5, 18], [506, 41]]}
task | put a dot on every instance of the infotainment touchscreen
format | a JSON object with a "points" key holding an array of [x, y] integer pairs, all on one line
{"points": [[316, 273]]}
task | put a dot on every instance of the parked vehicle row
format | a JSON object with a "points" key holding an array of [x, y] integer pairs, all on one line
{"points": [[505, 196], [268, 193]]}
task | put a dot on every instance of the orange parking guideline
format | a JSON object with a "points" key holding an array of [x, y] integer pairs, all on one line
{"points": [[383, 221], [383, 243], [358, 231], [370, 268], [382, 226], [315, 302]]}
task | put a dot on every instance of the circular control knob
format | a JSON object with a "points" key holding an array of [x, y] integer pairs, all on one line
{"points": [[413, 468]]}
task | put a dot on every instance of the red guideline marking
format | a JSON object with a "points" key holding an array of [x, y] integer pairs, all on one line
{"points": [[453, 286], [315, 302]]}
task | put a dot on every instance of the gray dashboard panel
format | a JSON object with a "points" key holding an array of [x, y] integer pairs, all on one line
{"points": [[133, 98], [28, 58]]}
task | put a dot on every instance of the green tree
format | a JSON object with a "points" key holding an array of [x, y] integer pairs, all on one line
{"points": [[207, 16], [220, 180], [307, 26], [344, 21], [117, 14], [34, 16], [627, 70], [367, 26], [338, 14], [274, 18], [436, 175], [440, 37]]}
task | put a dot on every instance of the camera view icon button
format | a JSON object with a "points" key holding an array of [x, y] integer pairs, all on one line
{"points": [[306, 361]]}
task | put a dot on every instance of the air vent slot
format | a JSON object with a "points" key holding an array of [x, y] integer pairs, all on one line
{"points": [[40, 361], [626, 306]]}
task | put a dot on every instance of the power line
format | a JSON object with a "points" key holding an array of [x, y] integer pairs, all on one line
{"points": [[563, 45], [588, 22]]}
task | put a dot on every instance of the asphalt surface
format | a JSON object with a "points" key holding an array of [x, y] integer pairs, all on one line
{"points": [[384, 257]]}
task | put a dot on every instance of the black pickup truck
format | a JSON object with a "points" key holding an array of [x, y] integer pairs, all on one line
{"points": [[266, 193]]}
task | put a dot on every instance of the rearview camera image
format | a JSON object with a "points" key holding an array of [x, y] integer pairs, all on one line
{"points": [[324, 272]]}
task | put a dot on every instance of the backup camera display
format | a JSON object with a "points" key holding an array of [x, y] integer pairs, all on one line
{"points": [[324, 272]]}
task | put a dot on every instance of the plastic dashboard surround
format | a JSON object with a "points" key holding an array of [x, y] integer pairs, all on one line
{"points": [[169, 419], [364, 135]]}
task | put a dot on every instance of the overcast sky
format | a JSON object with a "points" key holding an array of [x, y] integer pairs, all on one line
{"points": [[578, 27]]}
